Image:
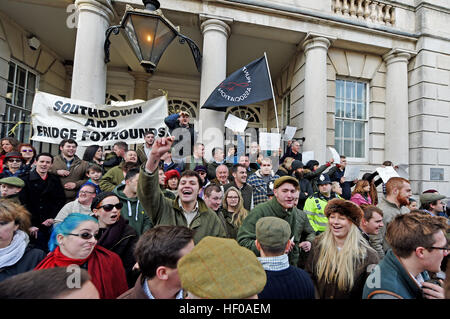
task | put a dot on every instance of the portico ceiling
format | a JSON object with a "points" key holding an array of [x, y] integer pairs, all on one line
{"points": [[47, 20]]}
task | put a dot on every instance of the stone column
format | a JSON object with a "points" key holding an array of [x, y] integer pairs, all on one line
{"points": [[89, 68], [396, 138], [210, 126], [141, 85], [315, 110]]}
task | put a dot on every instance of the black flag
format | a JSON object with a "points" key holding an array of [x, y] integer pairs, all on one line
{"points": [[249, 84]]}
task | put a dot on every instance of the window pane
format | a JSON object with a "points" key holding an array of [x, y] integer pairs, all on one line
{"points": [[339, 89], [19, 97], [31, 84], [359, 148], [12, 68], [348, 110], [361, 111], [338, 128], [338, 146], [348, 129], [29, 100], [348, 149], [359, 130], [9, 93], [349, 90], [21, 76]]}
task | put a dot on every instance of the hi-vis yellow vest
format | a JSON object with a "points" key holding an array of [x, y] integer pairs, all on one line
{"points": [[314, 209]]}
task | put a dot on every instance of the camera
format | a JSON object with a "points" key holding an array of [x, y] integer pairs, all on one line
{"points": [[34, 43]]}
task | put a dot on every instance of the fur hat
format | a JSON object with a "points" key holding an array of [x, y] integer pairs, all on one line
{"points": [[219, 268], [346, 208]]}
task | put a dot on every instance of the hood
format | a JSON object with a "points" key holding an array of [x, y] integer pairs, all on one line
{"points": [[118, 190]]}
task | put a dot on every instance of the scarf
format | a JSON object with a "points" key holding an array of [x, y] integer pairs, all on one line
{"points": [[104, 267], [11, 254], [112, 234]]}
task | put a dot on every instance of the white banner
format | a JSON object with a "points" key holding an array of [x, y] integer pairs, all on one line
{"points": [[55, 118]]}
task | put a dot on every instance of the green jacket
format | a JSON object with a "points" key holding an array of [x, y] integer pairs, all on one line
{"points": [[304, 227], [247, 232], [163, 211], [112, 178], [133, 211]]}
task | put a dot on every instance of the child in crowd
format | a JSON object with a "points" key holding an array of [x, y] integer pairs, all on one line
{"points": [[95, 173]]}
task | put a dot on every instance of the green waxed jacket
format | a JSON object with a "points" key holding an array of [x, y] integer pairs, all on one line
{"points": [[164, 211], [247, 232]]}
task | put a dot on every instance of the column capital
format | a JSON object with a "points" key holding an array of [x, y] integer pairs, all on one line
{"points": [[103, 8], [140, 76], [398, 55], [210, 22], [316, 40]]}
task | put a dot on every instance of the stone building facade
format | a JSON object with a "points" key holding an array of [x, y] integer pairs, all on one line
{"points": [[370, 78]]}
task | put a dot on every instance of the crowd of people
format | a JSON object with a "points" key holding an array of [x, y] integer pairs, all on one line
{"points": [[146, 224]]}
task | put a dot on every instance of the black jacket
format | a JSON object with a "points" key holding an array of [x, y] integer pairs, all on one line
{"points": [[121, 238], [30, 259], [42, 198], [305, 187]]}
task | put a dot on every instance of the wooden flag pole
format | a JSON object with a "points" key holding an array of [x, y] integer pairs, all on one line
{"points": [[273, 95]]}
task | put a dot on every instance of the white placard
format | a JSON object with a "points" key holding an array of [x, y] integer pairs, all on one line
{"points": [[236, 124], [386, 173], [334, 155], [289, 133], [351, 173], [269, 141], [401, 170], [307, 156]]}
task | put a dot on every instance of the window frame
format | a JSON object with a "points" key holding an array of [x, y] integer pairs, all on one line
{"points": [[365, 158]]}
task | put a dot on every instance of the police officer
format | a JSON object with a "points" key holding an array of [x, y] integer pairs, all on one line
{"points": [[315, 204]]}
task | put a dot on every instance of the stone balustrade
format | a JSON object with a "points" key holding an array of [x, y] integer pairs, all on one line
{"points": [[367, 10]]}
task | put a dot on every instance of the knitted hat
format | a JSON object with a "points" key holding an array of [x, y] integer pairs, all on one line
{"points": [[218, 268], [296, 164], [281, 180], [97, 200], [272, 231], [430, 197], [172, 173], [200, 168], [13, 181], [346, 208], [324, 179]]}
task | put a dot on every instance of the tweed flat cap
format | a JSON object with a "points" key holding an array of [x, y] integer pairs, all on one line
{"points": [[218, 268], [272, 231], [346, 208], [13, 181], [281, 180], [430, 197]]}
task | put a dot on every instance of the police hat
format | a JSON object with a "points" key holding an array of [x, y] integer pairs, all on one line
{"points": [[324, 179]]}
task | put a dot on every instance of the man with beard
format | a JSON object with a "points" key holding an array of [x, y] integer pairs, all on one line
{"points": [[187, 209], [306, 189], [398, 192]]}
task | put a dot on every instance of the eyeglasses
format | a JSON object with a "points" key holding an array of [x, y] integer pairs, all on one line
{"points": [[14, 160], [109, 207], [85, 236], [440, 248], [26, 151], [85, 192]]}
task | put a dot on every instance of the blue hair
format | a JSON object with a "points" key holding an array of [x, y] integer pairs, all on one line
{"points": [[69, 223]]}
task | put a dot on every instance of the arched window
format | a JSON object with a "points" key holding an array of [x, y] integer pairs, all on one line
{"points": [[177, 105], [248, 113]]}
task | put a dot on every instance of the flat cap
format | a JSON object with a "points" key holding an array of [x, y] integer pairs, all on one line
{"points": [[218, 268], [281, 180], [13, 181], [430, 197], [272, 231]]}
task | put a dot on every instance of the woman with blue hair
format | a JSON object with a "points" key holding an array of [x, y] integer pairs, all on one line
{"points": [[74, 242]]}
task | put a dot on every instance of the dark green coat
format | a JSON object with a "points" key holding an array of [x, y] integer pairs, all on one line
{"points": [[163, 211], [247, 232]]}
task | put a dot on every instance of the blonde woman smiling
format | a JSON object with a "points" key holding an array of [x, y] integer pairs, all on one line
{"points": [[233, 210], [340, 257]]}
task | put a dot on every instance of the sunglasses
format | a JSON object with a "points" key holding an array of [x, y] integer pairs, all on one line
{"points": [[16, 160], [27, 151], [109, 207], [85, 236]]}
